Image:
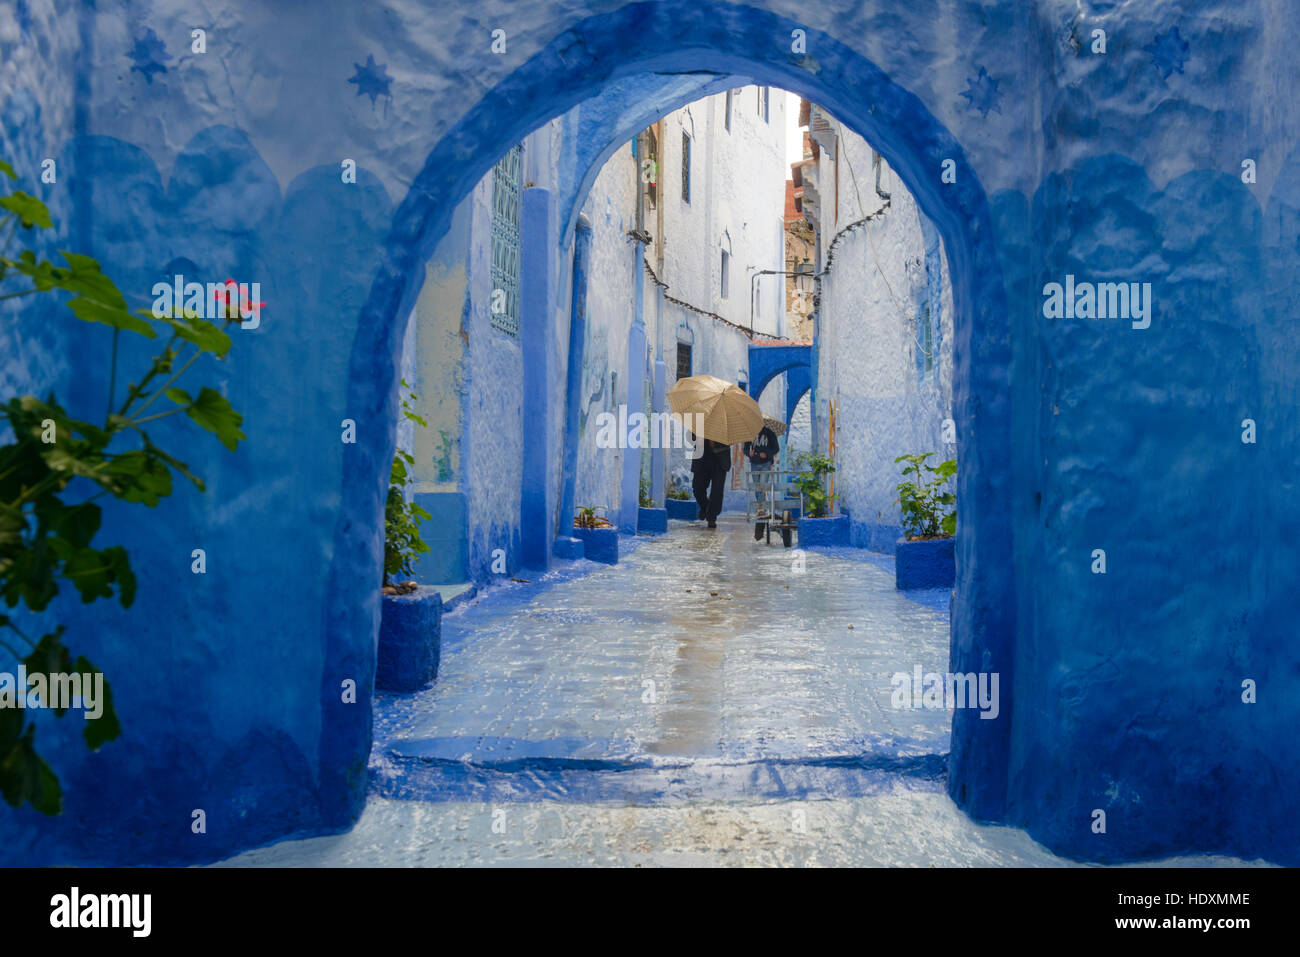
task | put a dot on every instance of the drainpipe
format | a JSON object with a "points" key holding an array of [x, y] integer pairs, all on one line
{"points": [[564, 541]]}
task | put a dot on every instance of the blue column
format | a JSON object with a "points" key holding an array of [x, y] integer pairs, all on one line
{"points": [[657, 456], [537, 257], [636, 363], [573, 385]]}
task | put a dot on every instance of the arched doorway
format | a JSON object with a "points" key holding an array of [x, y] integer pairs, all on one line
{"points": [[683, 37]]}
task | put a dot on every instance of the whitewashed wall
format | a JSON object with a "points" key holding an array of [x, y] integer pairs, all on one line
{"points": [[872, 344]]}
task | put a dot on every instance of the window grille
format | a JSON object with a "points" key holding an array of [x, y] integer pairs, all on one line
{"points": [[686, 168], [683, 361], [506, 203]]}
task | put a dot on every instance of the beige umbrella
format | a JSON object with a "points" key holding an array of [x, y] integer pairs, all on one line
{"points": [[729, 415]]}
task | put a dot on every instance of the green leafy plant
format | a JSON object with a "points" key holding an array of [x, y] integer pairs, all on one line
{"points": [[678, 494], [812, 484], [402, 541], [56, 467], [586, 517], [924, 500], [644, 499]]}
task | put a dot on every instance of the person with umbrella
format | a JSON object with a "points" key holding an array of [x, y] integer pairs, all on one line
{"points": [[762, 454], [724, 415], [709, 479]]}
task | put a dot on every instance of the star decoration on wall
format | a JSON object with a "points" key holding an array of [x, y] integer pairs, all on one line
{"points": [[982, 93], [1169, 51], [149, 55], [372, 80]]}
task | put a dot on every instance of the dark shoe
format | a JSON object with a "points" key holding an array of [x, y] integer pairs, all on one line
{"points": [[712, 524], [759, 529]]}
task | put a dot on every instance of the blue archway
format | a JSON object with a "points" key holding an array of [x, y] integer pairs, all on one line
{"points": [[767, 361], [680, 36], [798, 382]]}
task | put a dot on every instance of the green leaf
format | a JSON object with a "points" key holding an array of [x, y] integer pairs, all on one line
{"points": [[43, 274], [213, 411], [77, 524], [106, 727], [29, 210], [138, 476], [91, 573], [12, 525], [24, 775], [207, 336], [175, 463], [7, 170], [949, 524], [97, 298], [50, 657]]}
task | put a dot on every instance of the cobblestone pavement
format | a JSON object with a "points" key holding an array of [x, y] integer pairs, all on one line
{"points": [[708, 700]]}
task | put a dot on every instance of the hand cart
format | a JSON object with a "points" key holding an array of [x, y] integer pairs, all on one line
{"points": [[772, 504]]}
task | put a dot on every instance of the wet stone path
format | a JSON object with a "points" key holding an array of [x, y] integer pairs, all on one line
{"points": [[767, 737], [704, 666]]}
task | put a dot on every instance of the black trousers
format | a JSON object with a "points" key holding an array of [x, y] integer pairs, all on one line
{"points": [[709, 484]]}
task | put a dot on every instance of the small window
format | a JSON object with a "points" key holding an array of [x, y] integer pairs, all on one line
{"points": [[506, 203], [726, 263], [650, 168], [727, 116], [683, 361], [686, 168]]}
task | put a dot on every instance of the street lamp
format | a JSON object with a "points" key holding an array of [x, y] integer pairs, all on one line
{"points": [[803, 281]]}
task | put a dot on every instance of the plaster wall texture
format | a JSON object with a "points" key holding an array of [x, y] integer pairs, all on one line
{"points": [[737, 204], [799, 438], [611, 310], [38, 117], [1124, 690], [890, 377]]}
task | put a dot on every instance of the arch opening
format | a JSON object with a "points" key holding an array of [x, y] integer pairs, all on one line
{"points": [[913, 142]]}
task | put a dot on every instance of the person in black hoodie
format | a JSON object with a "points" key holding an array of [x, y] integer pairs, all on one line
{"points": [[709, 477], [762, 455]]}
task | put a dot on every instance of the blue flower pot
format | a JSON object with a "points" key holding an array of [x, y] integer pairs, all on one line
{"points": [[410, 640], [682, 509], [651, 521], [824, 531], [929, 563], [599, 544]]}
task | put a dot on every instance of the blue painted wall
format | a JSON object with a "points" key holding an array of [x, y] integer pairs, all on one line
{"points": [[1125, 689]]}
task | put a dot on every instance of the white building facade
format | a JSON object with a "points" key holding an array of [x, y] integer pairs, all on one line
{"points": [[883, 327]]}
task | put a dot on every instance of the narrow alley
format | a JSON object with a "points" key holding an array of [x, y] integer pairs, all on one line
{"points": [[710, 699]]}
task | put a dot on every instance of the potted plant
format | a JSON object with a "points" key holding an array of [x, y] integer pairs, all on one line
{"points": [[924, 557], [410, 628], [650, 518], [816, 525], [599, 537], [680, 504]]}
